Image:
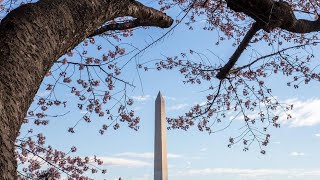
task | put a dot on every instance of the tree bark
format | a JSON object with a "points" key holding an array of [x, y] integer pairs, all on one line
{"points": [[32, 38], [272, 14]]}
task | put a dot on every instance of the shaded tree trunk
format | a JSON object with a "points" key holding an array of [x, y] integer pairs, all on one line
{"points": [[32, 38]]}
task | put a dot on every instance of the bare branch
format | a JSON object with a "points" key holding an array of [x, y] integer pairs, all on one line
{"points": [[235, 56]]}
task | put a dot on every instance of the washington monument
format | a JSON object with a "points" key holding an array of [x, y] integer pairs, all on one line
{"points": [[160, 143]]}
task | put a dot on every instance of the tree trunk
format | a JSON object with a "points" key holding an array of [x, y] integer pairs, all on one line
{"points": [[32, 38]]}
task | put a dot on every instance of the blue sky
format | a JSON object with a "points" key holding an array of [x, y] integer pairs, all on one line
{"points": [[292, 153]]}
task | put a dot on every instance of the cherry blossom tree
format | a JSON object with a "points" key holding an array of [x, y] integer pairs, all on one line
{"points": [[51, 38], [285, 27], [32, 37]]}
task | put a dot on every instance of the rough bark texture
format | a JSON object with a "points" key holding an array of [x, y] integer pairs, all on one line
{"points": [[32, 38], [271, 14]]}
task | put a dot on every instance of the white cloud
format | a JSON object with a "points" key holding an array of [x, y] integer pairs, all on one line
{"points": [[188, 165], [317, 135], [178, 106], [304, 113], [250, 172], [201, 103], [169, 98], [203, 149], [142, 98], [297, 154], [146, 155], [173, 156], [144, 177], [112, 161]]}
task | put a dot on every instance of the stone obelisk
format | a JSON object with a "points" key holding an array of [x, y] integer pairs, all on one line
{"points": [[160, 143]]}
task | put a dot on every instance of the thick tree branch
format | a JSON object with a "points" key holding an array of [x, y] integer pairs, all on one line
{"points": [[303, 26], [235, 56], [153, 16], [271, 14], [145, 16], [123, 26]]}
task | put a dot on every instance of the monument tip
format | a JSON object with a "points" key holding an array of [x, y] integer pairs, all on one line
{"points": [[159, 95]]}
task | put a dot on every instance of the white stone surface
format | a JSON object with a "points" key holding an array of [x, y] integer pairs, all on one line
{"points": [[160, 143]]}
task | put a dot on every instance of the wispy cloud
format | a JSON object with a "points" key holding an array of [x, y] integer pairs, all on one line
{"points": [[174, 156], [169, 98], [304, 113], [250, 172], [276, 142], [297, 154], [146, 155], [178, 106], [142, 98], [188, 165], [144, 177], [112, 161], [201, 103], [317, 135], [203, 149]]}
